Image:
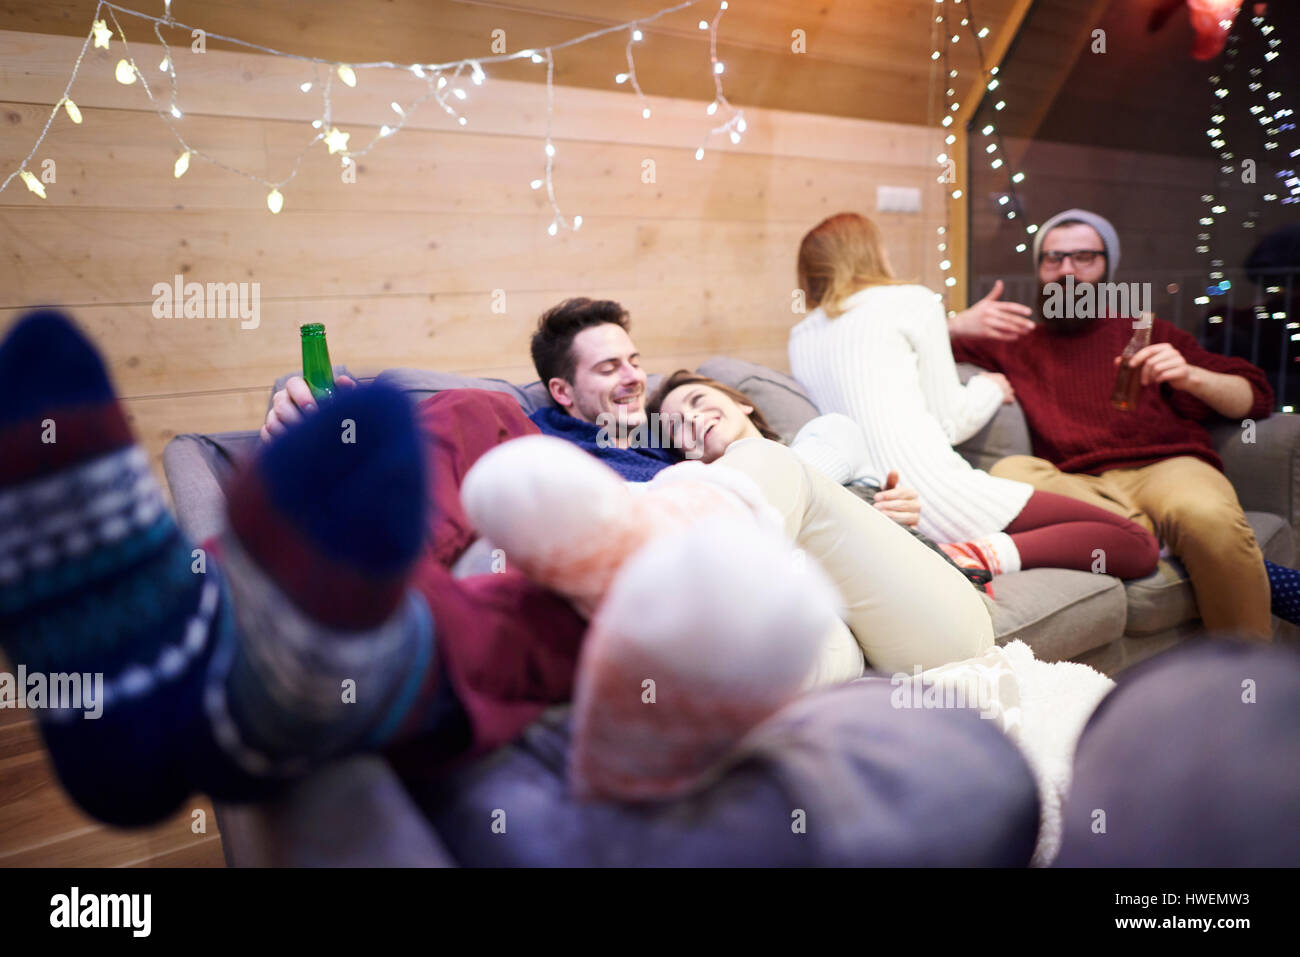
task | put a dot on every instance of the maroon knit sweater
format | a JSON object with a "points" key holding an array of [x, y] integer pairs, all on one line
{"points": [[1064, 383]]}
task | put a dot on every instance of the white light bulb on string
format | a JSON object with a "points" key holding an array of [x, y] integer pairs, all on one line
{"points": [[553, 228], [996, 164], [1031, 229], [956, 194], [536, 184], [1018, 178], [987, 130], [126, 73]]}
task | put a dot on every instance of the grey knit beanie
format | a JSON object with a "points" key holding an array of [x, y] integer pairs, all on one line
{"points": [[1109, 238]]}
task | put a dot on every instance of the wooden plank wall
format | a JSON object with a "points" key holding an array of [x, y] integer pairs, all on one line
{"points": [[401, 266]]}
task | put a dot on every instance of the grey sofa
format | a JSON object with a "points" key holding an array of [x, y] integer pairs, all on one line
{"points": [[1061, 614]]}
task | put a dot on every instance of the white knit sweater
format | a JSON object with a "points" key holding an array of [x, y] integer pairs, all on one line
{"points": [[886, 362]]}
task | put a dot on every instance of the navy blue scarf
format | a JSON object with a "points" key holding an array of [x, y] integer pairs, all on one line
{"points": [[635, 465]]}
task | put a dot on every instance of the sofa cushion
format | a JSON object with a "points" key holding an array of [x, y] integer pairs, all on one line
{"points": [[782, 400], [877, 786], [1164, 599], [422, 383], [1007, 433], [1057, 612]]}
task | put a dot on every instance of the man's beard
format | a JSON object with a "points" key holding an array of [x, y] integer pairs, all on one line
{"points": [[1062, 325]]}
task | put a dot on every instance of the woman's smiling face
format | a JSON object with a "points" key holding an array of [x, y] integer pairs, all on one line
{"points": [[711, 419]]}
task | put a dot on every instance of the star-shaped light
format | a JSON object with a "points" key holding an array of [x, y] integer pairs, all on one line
{"points": [[102, 33], [336, 140]]}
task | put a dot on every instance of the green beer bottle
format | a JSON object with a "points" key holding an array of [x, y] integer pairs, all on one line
{"points": [[316, 368]]}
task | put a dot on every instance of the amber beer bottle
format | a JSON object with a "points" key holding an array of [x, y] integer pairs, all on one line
{"points": [[1128, 381], [316, 368]]}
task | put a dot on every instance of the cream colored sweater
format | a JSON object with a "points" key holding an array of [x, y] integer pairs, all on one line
{"points": [[886, 363]]}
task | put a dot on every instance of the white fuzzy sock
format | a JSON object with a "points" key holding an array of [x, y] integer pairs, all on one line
{"points": [[1004, 552], [704, 634]]}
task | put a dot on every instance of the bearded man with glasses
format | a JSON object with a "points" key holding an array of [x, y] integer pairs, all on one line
{"points": [[1156, 464]]}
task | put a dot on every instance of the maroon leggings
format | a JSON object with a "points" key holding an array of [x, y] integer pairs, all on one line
{"points": [[1054, 531], [507, 647]]}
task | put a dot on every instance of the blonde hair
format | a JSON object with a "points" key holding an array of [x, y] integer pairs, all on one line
{"points": [[840, 256]]}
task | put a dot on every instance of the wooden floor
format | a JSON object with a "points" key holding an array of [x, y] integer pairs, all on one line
{"points": [[40, 826]]}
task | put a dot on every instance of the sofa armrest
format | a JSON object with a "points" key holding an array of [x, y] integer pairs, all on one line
{"points": [[352, 813], [196, 466], [1264, 472]]}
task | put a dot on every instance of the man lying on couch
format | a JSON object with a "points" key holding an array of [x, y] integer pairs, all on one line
{"points": [[226, 679], [1154, 464]]}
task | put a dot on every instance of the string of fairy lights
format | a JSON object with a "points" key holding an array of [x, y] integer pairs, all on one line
{"points": [[445, 84], [942, 58], [1274, 123]]}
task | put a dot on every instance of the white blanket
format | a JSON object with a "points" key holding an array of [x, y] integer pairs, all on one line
{"points": [[1040, 705]]}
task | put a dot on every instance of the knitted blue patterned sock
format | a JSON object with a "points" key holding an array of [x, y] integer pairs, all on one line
{"points": [[95, 581], [174, 690], [1285, 585]]}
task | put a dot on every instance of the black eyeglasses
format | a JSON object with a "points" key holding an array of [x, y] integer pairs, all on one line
{"points": [[1080, 257]]}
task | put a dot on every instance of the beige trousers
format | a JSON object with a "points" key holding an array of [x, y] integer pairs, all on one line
{"points": [[1193, 508], [905, 605]]}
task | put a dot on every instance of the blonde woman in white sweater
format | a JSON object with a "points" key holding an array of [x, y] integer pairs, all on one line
{"points": [[876, 349]]}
